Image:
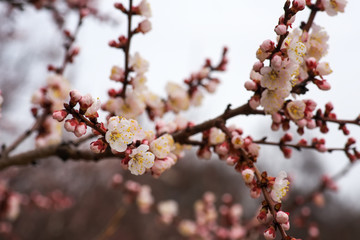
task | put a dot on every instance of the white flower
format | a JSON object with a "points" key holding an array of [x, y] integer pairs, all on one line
{"points": [[248, 175], [140, 160], [196, 98], [58, 89], [132, 106], [144, 199], [178, 97], [261, 55], [139, 82], [273, 79], [317, 42], [280, 187], [92, 110], [122, 132], [296, 109], [162, 146], [144, 8], [162, 165], [187, 228], [216, 136], [332, 7], [145, 26], [296, 51], [168, 210], [13, 206], [323, 68], [155, 103], [117, 73], [139, 64], [273, 100]]}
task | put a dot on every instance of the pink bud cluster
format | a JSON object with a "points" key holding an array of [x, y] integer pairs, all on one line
{"points": [[328, 114], [223, 222], [86, 114], [143, 9], [197, 80], [141, 195], [55, 200]]}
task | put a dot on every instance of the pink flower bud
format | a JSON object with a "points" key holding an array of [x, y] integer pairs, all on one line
{"points": [[231, 160], [267, 46], [222, 149], [257, 66], [80, 129], [270, 233], [280, 29], [311, 63], [329, 107], [254, 102], [282, 217], [75, 97], [262, 216], [299, 4], [275, 126], [311, 124], [286, 226], [204, 153], [253, 149], [251, 86], [255, 192], [85, 102], [98, 146], [301, 123], [287, 152], [321, 148], [314, 231], [212, 85], [144, 26], [322, 84], [60, 115], [117, 180], [71, 124], [302, 142], [276, 117], [287, 137], [276, 62]]}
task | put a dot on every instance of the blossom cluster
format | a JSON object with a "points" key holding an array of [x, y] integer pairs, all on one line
{"points": [[293, 62], [46, 100], [212, 222], [134, 192]]}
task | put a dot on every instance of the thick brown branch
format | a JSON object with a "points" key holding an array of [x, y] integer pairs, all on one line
{"points": [[62, 151], [182, 136]]}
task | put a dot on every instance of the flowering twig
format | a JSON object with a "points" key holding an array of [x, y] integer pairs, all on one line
{"points": [[62, 151], [127, 50], [270, 202], [314, 9]]}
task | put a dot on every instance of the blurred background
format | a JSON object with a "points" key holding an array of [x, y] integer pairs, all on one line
{"points": [[183, 34]]}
